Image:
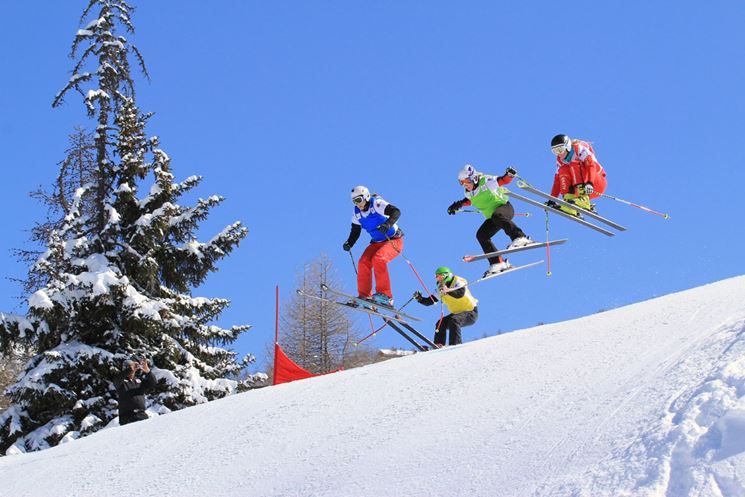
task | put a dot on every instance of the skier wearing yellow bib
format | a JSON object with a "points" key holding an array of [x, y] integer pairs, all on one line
{"points": [[459, 301], [486, 193]]}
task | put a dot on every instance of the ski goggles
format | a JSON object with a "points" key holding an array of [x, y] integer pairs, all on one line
{"points": [[359, 199], [559, 149]]}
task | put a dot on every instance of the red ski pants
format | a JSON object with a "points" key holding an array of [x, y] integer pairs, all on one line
{"points": [[375, 259]]}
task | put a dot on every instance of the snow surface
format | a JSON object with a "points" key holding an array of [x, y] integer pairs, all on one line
{"points": [[645, 400]]}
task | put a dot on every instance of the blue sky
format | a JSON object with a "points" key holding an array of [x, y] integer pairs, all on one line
{"points": [[283, 107]]}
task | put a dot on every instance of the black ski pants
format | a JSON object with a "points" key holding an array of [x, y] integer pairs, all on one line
{"points": [[453, 323], [500, 220]]}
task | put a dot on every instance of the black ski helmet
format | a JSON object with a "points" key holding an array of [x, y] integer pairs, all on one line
{"points": [[561, 143]]}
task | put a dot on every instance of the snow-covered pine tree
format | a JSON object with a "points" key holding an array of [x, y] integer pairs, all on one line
{"points": [[118, 282]]}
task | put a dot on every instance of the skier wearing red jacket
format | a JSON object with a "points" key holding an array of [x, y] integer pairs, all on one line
{"points": [[579, 176]]}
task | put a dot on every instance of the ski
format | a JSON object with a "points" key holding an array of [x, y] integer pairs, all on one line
{"points": [[401, 332], [528, 188], [417, 334], [360, 308], [368, 303], [576, 219], [471, 258], [391, 321], [501, 273]]}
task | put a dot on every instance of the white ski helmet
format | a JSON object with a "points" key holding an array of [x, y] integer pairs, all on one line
{"points": [[468, 173], [360, 194]]}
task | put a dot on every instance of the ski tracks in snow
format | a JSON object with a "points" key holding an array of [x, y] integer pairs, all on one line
{"points": [[698, 447]]}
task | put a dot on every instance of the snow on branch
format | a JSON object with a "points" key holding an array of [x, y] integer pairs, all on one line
{"points": [[13, 417], [189, 217], [72, 83], [37, 439], [188, 184], [224, 242], [165, 211], [40, 300], [142, 306]]}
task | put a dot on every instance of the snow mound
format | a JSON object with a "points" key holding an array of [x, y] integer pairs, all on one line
{"points": [[645, 400]]}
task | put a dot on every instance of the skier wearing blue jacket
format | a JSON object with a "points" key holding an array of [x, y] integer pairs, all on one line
{"points": [[378, 218]]}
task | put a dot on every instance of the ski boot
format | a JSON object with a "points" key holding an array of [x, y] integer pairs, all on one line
{"points": [[582, 201], [356, 303], [380, 298], [497, 268], [520, 241]]}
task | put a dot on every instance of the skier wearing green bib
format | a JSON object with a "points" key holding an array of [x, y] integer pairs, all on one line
{"points": [[454, 292], [487, 194]]}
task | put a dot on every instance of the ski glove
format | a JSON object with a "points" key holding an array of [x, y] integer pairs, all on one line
{"points": [[579, 189], [384, 227], [347, 246], [426, 301], [552, 204], [455, 206], [511, 172], [589, 189]]}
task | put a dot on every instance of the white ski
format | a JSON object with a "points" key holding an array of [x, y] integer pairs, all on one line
{"points": [[471, 258]]}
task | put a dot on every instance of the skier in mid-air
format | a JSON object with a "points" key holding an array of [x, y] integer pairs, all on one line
{"points": [[378, 217], [459, 301], [487, 194], [579, 176]]}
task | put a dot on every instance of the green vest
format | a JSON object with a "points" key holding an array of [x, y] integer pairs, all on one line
{"points": [[486, 200]]}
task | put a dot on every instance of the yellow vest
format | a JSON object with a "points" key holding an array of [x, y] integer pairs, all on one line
{"points": [[466, 303]]}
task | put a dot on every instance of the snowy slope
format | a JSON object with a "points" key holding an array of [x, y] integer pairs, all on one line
{"points": [[645, 400]]}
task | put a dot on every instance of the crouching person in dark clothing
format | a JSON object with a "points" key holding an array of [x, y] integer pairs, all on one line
{"points": [[131, 390], [457, 297]]}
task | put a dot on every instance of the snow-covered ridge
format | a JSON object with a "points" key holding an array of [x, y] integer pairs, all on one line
{"points": [[645, 400]]}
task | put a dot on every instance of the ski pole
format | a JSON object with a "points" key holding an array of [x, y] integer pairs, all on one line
{"points": [[353, 264], [548, 248], [407, 303], [429, 294], [410, 265], [442, 316], [373, 333], [632, 204]]}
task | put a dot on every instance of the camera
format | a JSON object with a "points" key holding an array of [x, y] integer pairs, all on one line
{"points": [[138, 362]]}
